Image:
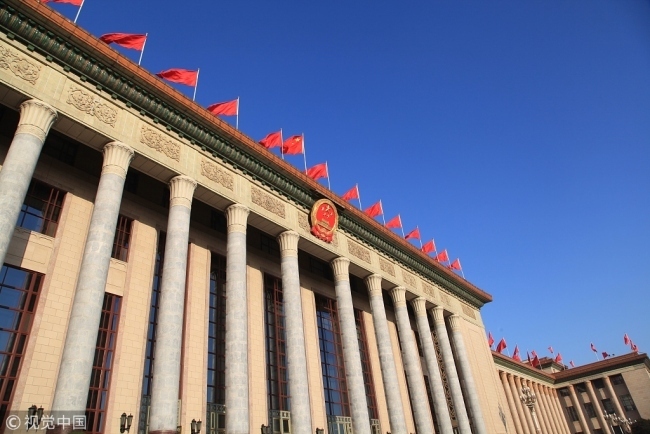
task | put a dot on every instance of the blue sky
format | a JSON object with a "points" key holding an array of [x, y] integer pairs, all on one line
{"points": [[514, 133]]}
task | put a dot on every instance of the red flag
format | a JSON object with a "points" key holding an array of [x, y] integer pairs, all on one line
{"points": [[293, 145], [550, 349], [558, 358], [181, 76], [126, 40], [515, 354], [228, 108], [626, 339], [490, 339], [374, 210], [415, 234], [395, 222], [533, 353], [536, 363], [455, 265], [605, 354], [501, 345], [272, 140], [442, 256], [429, 247], [352, 193], [633, 347], [318, 171], [572, 364], [593, 348], [72, 2]]}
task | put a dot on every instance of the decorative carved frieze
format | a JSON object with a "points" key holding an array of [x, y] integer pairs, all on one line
{"points": [[161, 143], [214, 173], [267, 202], [19, 66], [358, 251], [303, 222], [429, 290], [386, 267], [468, 311], [445, 298], [409, 279], [87, 103]]}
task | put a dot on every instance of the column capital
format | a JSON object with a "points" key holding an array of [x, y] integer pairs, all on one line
{"points": [[454, 322], [341, 267], [399, 296], [236, 216], [288, 241], [36, 118], [117, 157], [373, 282], [181, 190], [438, 314], [419, 306]]}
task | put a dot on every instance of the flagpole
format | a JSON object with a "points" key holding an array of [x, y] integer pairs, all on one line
{"points": [[382, 212], [79, 11], [197, 83], [146, 35], [327, 169], [281, 144], [304, 154], [359, 196], [237, 121], [420, 237], [461, 270], [401, 227]]}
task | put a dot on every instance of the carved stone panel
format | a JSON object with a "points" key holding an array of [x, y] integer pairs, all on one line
{"points": [[214, 173], [88, 103], [358, 251], [429, 290], [161, 143], [386, 267], [267, 202], [19, 65], [445, 298], [409, 279], [468, 311]]}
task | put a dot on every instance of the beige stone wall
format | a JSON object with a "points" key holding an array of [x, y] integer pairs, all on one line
{"points": [[638, 384]]}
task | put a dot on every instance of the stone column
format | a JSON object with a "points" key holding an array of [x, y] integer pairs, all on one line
{"points": [[552, 412], [558, 406], [578, 409], [529, 417], [414, 376], [466, 371], [36, 118], [435, 381], [597, 407], [541, 408], [295, 335], [76, 367], [386, 358], [351, 355], [237, 414], [511, 402], [613, 396], [521, 409], [169, 331], [537, 410], [450, 367]]}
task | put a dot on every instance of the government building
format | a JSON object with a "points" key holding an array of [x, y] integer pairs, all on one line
{"points": [[163, 273]]}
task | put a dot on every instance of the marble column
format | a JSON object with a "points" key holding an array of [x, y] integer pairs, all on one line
{"points": [[542, 409], [511, 402], [237, 413], [36, 118], [435, 381], [578, 408], [597, 407], [169, 331], [521, 409], [524, 408], [552, 412], [351, 354], [560, 412], [295, 335], [537, 410], [450, 366], [71, 392], [466, 372], [386, 358], [414, 376], [613, 396]]}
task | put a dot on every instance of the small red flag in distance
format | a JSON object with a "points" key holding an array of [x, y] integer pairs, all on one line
{"points": [[515, 354], [572, 364], [593, 348], [535, 362], [318, 171], [71, 2], [626, 339], [429, 247], [534, 353], [558, 358], [605, 354], [395, 222], [126, 40], [415, 234], [352, 193], [550, 349], [633, 347], [181, 76], [501, 345], [442, 256], [490, 340], [272, 140], [293, 145], [374, 210], [455, 265], [228, 108]]}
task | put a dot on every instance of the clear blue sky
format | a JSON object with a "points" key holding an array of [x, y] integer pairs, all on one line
{"points": [[514, 133]]}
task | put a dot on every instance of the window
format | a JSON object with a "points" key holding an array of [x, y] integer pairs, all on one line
{"points": [[61, 148], [269, 245], [598, 383], [320, 268], [580, 388], [122, 238], [41, 209], [276, 347], [101, 374], [589, 408], [564, 391], [608, 406], [628, 402], [365, 365], [617, 379], [217, 332], [573, 414], [19, 291]]}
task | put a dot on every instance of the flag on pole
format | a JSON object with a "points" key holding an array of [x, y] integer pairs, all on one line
{"points": [[126, 40], [633, 347], [456, 265], [71, 2], [293, 145], [415, 234], [352, 193], [501, 345], [181, 76], [550, 349], [374, 210], [490, 340], [429, 246], [534, 353], [572, 364], [442, 256], [536, 363], [515, 354], [272, 140], [605, 354], [593, 348], [558, 358], [395, 222], [228, 108], [626, 339], [317, 172]]}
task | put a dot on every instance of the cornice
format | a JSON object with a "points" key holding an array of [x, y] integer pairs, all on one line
{"points": [[60, 41], [521, 368]]}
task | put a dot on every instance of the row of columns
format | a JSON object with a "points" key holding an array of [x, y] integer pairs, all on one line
{"points": [[544, 417], [599, 409], [77, 359]]}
